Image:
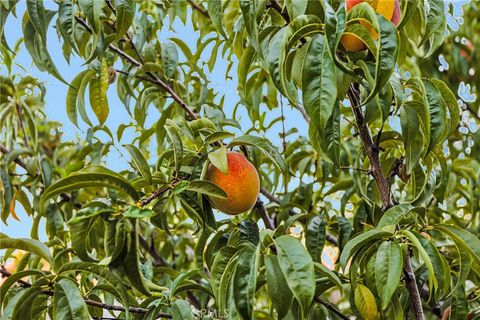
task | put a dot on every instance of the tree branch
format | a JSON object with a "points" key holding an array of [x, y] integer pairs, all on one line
{"points": [[199, 8], [5, 274], [370, 148], [157, 259], [276, 6], [411, 284], [5, 151], [22, 126], [269, 223], [332, 308]]}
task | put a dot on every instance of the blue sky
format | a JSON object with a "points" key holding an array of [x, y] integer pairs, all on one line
{"points": [[56, 94]]}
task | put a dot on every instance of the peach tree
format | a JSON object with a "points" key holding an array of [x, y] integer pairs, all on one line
{"points": [[348, 164]]}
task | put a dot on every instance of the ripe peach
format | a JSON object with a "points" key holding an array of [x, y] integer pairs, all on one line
{"points": [[390, 9], [241, 184]]}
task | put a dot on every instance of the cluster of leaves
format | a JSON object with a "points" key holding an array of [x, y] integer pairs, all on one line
{"points": [[379, 176]]}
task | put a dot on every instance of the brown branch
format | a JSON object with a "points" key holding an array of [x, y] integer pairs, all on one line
{"points": [[157, 193], [356, 169], [276, 6], [269, 223], [157, 259], [199, 8], [332, 308], [5, 274], [22, 126], [18, 161], [411, 284], [269, 196], [370, 149]]}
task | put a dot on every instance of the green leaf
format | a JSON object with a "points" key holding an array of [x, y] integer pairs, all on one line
{"points": [[68, 302], [463, 238], [216, 12], [386, 56], [437, 114], [72, 95], [125, 10], [20, 305], [139, 161], [263, 145], [36, 45], [297, 267], [136, 212], [118, 289], [65, 23], [25, 244], [176, 143], [217, 136], [432, 277], [355, 244], [220, 262], [169, 59], [459, 304], [249, 10], [181, 310], [413, 138], [315, 236], [91, 176], [439, 265], [36, 12], [12, 279], [388, 270], [245, 280], [131, 264], [92, 10], [451, 102], [218, 158], [320, 93], [296, 7], [277, 286], [98, 87], [394, 214], [329, 274], [7, 193], [208, 188], [365, 302], [334, 28], [436, 25]]}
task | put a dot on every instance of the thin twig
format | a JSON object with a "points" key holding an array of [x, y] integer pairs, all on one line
{"points": [[157, 193], [275, 5], [5, 274], [356, 169], [22, 126], [269, 223], [157, 259], [18, 161], [199, 8], [332, 308]]}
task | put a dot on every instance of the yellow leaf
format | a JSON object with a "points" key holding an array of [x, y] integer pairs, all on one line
{"points": [[98, 92], [365, 303]]}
